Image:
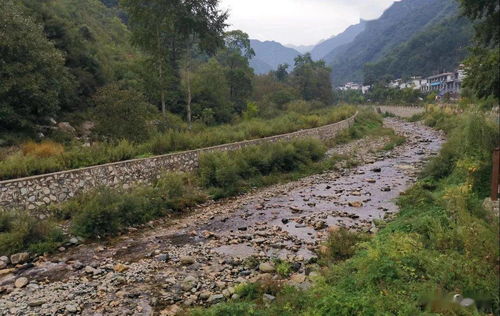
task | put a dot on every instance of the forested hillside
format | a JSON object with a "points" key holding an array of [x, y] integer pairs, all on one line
{"points": [[439, 48], [398, 24]]}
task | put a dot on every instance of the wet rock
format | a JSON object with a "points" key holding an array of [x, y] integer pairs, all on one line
{"points": [[355, 204], [371, 180], [319, 225], [18, 258], [21, 282], [266, 267], [187, 260], [243, 228], [285, 221], [376, 170]]}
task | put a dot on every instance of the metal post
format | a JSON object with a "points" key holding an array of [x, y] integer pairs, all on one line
{"points": [[495, 175]]}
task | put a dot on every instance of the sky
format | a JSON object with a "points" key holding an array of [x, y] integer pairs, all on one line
{"points": [[299, 22]]}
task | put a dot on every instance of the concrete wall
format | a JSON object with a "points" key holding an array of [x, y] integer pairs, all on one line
{"points": [[33, 192]]}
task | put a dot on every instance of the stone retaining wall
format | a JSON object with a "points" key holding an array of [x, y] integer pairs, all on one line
{"points": [[32, 192]]}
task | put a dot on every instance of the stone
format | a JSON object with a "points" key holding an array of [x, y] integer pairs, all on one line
{"points": [[21, 282], [66, 127], [355, 204], [188, 283], [162, 257], [187, 260], [268, 298], [6, 271], [215, 298], [120, 267], [205, 295], [267, 267], [71, 308], [172, 310], [297, 278], [73, 241], [19, 258]]}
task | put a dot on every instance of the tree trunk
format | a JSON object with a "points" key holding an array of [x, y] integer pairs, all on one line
{"points": [[188, 79], [160, 69]]}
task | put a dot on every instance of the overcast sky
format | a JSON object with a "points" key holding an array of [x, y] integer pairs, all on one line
{"points": [[299, 22]]}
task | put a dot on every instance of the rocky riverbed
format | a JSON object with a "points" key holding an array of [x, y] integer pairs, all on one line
{"points": [[200, 258]]}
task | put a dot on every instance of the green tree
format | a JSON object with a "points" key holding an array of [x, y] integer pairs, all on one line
{"points": [[282, 72], [312, 79], [161, 28], [483, 64], [32, 74], [122, 114], [235, 58], [211, 93]]}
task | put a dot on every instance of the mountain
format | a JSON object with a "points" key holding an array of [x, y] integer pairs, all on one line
{"points": [[301, 48], [323, 48], [439, 48], [397, 25], [272, 54]]}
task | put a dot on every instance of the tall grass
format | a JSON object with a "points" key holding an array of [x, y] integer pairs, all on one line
{"points": [[33, 158], [230, 173]]}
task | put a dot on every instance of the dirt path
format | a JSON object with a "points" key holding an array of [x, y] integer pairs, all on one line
{"points": [[200, 258]]}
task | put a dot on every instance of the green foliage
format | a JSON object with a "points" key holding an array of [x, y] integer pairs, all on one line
{"points": [[366, 121], [482, 75], [175, 138], [121, 114], [439, 46], [283, 268], [230, 173], [20, 231], [342, 244], [107, 212], [312, 79], [32, 75]]}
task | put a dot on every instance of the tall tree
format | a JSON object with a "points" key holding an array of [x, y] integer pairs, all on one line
{"points": [[235, 57], [161, 27], [312, 79], [483, 64], [32, 74]]}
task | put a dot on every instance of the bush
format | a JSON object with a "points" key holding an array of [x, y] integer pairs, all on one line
{"points": [[20, 231], [44, 149], [122, 114], [229, 173], [342, 244]]}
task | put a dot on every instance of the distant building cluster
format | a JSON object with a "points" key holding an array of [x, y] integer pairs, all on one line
{"points": [[444, 83]]}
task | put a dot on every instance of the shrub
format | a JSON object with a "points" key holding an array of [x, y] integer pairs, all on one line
{"points": [[342, 244], [229, 173], [20, 231], [122, 114], [44, 149]]}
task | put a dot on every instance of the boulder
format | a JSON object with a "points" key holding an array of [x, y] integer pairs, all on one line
{"points": [[267, 267], [66, 127], [21, 282], [19, 258]]}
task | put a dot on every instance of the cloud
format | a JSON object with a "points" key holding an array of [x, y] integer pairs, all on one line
{"points": [[300, 22]]}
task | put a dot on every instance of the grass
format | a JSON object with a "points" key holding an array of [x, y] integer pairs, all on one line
{"points": [[442, 242], [39, 158]]}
